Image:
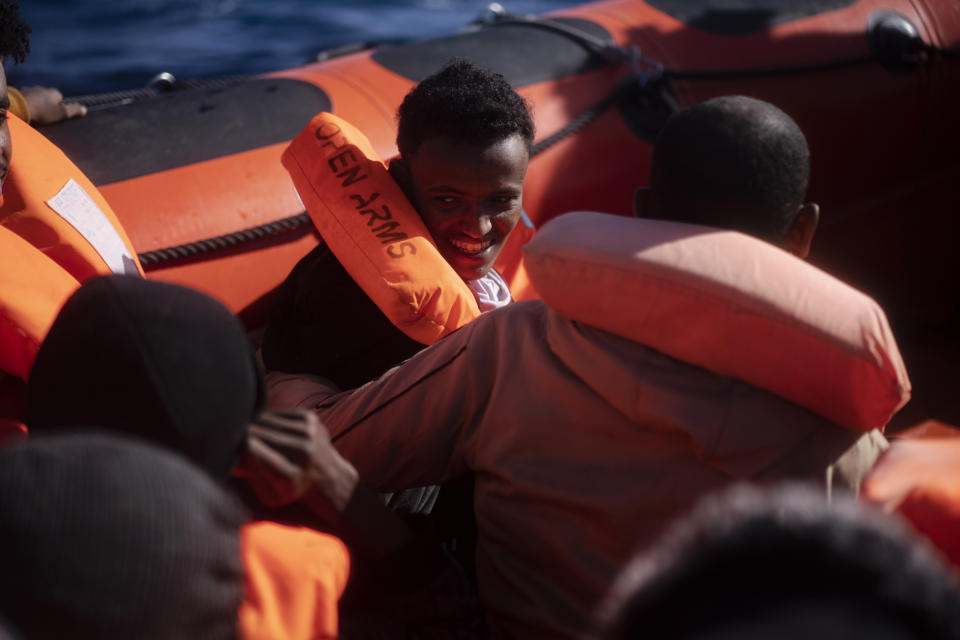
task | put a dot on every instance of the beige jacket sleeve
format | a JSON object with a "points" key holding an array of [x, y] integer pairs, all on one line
{"points": [[421, 413]]}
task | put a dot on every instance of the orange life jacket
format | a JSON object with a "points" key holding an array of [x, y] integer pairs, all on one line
{"points": [[48, 202], [374, 232], [56, 230], [32, 290], [294, 579], [719, 300], [918, 477]]}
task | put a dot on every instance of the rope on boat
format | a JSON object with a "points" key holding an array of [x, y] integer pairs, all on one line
{"points": [[711, 74], [191, 249], [609, 51], [624, 90], [162, 83]]}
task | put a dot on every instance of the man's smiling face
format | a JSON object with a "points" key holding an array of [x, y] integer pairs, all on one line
{"points": [[469, 197]]}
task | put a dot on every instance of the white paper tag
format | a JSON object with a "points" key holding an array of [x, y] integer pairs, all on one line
{"points": [[75, 205]]}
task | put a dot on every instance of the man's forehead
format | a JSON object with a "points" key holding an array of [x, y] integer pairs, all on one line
{"points": [[467, 146], [446, 155]]}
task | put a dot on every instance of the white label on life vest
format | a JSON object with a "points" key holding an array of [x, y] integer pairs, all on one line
{"points": [[75, 205]]}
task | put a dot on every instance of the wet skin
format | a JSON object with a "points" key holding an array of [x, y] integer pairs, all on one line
{"points": [[6, 152], [469, 196]]}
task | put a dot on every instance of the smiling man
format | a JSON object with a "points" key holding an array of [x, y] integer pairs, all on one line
{"points": [[464, 139]]}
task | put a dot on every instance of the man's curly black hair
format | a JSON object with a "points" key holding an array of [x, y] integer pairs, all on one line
{"points": [[464, 102], [14, 32]]}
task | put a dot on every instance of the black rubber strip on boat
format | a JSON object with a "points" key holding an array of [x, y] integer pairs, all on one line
{"points": [[743, 17], [523, 53], [184, 127]]}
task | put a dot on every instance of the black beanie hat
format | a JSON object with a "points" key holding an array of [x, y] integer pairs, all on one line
{"points": [[104, 536], [158, 360]]}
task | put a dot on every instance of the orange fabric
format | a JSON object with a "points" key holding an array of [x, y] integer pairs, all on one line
{"points": [[510, 263], [38, 172], [32, 290], [374, 232], [294, 579], [520, 286], [920, 480], [728, 303]]}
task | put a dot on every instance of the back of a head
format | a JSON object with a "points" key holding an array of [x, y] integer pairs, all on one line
{"points": [[749, 563], [731, 162], [466, 103], [106, 537], [155, 360], [14, 32]]}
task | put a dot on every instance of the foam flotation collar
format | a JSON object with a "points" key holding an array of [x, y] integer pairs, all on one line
{"points": [[728, 303], [374, 232]]}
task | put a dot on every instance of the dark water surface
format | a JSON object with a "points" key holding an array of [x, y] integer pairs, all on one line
{"points": [[88, 46]]}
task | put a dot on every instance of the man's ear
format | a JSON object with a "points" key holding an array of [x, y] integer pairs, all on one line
{"points": [[800, 236], [641, 202]]}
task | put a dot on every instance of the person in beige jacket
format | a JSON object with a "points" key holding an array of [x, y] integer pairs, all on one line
{"points": [[584, 444]]}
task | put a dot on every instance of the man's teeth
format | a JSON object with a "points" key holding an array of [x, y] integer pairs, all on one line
{"points": [[471, 247]]}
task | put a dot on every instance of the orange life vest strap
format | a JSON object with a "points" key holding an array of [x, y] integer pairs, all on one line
{"points": [[374, 232], [50, 203]]}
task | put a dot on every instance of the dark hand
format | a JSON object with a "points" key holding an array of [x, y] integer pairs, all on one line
{"points": [[291, 459], [293, 456]]}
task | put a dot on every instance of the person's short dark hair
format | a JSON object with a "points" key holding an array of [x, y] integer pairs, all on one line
{"points": [[463, 102], [749, 554], [152, 359], [14, 32], [103, 536], [732, 162]]}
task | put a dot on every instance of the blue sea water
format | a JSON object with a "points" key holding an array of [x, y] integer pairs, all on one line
{"points": [[91, 46]]}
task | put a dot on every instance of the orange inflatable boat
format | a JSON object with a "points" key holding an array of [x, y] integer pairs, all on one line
{"points": [[194, 173]]}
